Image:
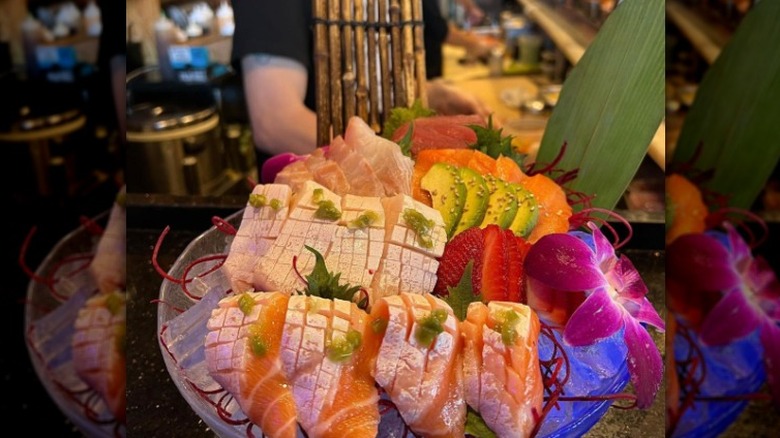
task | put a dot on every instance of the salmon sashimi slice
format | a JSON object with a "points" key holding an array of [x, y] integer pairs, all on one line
{"points": [[275, 269], [554, 208], [357, 246], [409, 261], [98, 348], [501, 366], [243, 348], [294, 175], [327, 172], [362, 179], [260, 226], [422, 375], [391, 166], [326, 364], [108, 266]]}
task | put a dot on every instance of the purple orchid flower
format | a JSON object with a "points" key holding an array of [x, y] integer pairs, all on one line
{"points": [[614, 297], [723, 262]]}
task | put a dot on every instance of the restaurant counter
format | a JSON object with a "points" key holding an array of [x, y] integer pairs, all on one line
{"points": [[154, 405]]}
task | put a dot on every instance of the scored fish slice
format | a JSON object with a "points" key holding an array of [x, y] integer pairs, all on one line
{"points": [[503, 381], [99, 349], [255, 236], [424, 381], [336, 397], [243, 356]]}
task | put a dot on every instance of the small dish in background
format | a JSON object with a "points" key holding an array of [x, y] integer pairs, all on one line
{"points": [[515, 97], [687, 94], [550, 94]]}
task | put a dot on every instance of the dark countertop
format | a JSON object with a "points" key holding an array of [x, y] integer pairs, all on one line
{"points": [[155, 406]]}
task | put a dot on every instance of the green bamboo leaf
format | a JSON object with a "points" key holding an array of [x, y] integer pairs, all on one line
{"points": [[735, 114], [612, 103]]}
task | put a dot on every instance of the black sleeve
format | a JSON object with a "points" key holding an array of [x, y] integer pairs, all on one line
{"points": [[435, 33], [281, 28]]}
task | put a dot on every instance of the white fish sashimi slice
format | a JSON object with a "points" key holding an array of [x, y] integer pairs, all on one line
{"points": [[393, 169], [254, 237], [294, 175], [108, 266], [362, 179], [327, 172]]}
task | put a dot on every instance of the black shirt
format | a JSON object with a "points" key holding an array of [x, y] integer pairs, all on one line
{"points": [[275, 28]]}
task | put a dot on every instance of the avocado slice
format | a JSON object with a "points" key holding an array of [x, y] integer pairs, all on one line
{"points": [[502, 205], [477, 197], [527, 212], [448, 193]]}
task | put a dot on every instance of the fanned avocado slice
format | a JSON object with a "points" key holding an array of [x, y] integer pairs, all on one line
{"points": [[502, 205], [477, 197], [448, 193], [527, 212]]}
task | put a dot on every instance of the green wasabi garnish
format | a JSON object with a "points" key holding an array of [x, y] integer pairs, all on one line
{"points": [[114, 302], [246, 303], [421, 225], [430, 326], [276, 204], [257, 201], [505, 324], [328, 211], [343, 348], [365, 220]]}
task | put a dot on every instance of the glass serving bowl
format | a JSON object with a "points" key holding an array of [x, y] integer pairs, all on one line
{"points": [[49, 320], [595, 370]]}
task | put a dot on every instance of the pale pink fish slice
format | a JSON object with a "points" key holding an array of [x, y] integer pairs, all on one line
{"points": [[327, 172], [255, 236], [424, 382], [503, 382], [358, 171], [294, 175], [392, 167], [99, 348]]}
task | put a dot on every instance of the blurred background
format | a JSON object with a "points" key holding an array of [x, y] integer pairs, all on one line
{"points": [[63, 159]]}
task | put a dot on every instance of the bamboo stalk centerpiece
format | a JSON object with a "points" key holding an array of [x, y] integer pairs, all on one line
{"points": [[353, 77]]}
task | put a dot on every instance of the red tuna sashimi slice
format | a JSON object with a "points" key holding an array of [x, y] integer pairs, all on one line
{"points": [[391, 166], [242, 355], [503, 380], [424, 381], [330, 376], [99, 349], [255, 236], [440, 132]]}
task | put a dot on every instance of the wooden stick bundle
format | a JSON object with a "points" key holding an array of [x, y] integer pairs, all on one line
{"points": [[352, 76], [321, 55]]}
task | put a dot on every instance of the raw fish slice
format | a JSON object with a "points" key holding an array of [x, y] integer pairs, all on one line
{"points": [[407, 265], [327, 172], [391, 166], [274, 270], [255, 236], [294, 175], [335, 398], [503, 382], [99, 349], [440, 132], [108, 266], [355, 252], [362, 179], [243, 356], [424, 382]]}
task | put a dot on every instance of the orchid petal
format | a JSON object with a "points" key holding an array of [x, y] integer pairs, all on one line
{"points": [[739, 248], [563, 262], [632, 284], [605, 253], [732, 318], [644, 362], [644, 312], [770, 340], [598, 317], [701, 263]]}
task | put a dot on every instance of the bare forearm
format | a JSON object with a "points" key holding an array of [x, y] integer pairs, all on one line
{"points": [[275, 90]]}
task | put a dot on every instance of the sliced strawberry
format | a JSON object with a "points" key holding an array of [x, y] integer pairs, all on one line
{"points": [[495, 279], [466, 246], [517, 248]]}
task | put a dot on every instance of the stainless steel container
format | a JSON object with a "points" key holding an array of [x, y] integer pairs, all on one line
{"points": [[175, 149]]}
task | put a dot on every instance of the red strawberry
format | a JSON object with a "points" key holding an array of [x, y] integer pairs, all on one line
{"points": [[495, 278], [517, 248], [466, 246]]}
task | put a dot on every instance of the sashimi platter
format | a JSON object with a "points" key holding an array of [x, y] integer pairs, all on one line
{"points": [[425, 283]]}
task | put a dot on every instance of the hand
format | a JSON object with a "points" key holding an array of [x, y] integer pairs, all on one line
{"points": [[480, 46], [448, 100]]}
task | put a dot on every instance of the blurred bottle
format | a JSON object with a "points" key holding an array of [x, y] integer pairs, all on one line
{"points": [[31, 37], [165, 35], [225, 21], [92, 23]]}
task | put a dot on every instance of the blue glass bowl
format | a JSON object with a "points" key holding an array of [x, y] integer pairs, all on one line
{"points": [[732, 369]]}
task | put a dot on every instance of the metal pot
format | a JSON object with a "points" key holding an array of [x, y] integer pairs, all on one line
{"points": [[175, 148]]}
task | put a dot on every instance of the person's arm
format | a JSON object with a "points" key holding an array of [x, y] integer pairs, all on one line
{"points": [[474, 44], [275, 89], [448, 100]]}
